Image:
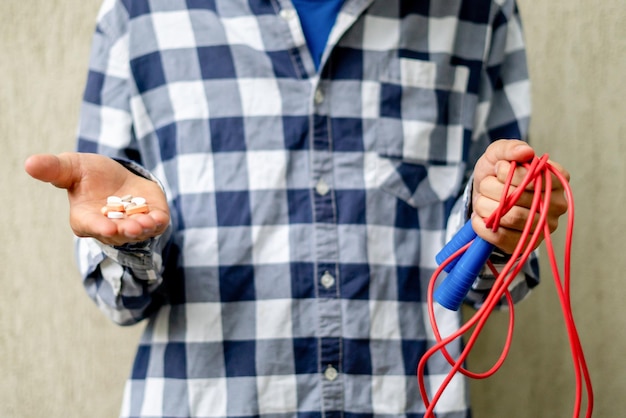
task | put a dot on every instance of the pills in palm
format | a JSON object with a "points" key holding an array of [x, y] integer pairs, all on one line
{"points": [[138, 200], [119, 207], [133, 209]]}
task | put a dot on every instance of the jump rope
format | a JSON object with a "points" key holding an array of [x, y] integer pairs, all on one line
{"points": [[464, 257]]}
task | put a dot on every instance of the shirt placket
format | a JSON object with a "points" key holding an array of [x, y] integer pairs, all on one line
{"points": [[326, 256]]}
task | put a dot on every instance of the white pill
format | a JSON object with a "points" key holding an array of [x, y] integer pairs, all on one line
{"points": [[138, 201], [126, 198], [115, 215], [114, 199]]}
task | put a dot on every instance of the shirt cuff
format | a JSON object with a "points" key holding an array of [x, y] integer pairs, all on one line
{"points": [[141, 258]]}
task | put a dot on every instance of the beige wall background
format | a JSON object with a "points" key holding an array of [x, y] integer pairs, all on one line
{"points": [[60, 358]]}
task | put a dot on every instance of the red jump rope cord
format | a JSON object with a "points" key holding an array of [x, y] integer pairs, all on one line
{"points": [[540, 172]]}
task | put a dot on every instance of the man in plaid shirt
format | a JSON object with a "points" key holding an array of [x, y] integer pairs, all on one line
{"points": [[304, 161]]}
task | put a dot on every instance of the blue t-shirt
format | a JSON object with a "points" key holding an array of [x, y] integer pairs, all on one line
{"points": [[317, 18]]}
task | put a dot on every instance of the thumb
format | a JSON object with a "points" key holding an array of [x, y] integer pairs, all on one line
{"points": [[59, 170], [509, 150]]}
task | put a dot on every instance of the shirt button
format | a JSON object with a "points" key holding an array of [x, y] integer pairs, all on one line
{"points": [[287, 14], [321, 187], [319, 96], [327, 280], [331, 373]]}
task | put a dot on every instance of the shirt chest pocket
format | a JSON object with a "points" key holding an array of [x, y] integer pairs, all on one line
{"points": [[420, 130]]}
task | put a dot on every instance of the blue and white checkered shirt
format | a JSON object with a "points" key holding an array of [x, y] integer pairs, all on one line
{"points": [[306, 207]]}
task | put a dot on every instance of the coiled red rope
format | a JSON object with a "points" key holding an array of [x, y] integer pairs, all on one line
{"points": [[539, 172]]}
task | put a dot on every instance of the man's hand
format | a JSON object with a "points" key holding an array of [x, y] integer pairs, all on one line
{"points": [[89, 179], [490, 175]]}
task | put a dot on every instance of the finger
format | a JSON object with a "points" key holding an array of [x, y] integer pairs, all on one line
{"points": [[145, 226], [504, 238], [492, 188], [92, 224], [515, 218], [503, 168], [560, 168], [57, 170]]}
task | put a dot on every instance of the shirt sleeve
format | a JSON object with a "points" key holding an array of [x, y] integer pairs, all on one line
{"points": [[123, 281], [503, 112]]}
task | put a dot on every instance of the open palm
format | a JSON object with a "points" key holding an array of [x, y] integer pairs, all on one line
{"points": [[89, 179]]}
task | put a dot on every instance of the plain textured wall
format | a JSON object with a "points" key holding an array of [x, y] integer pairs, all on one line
{"points": [[59, 357]]}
